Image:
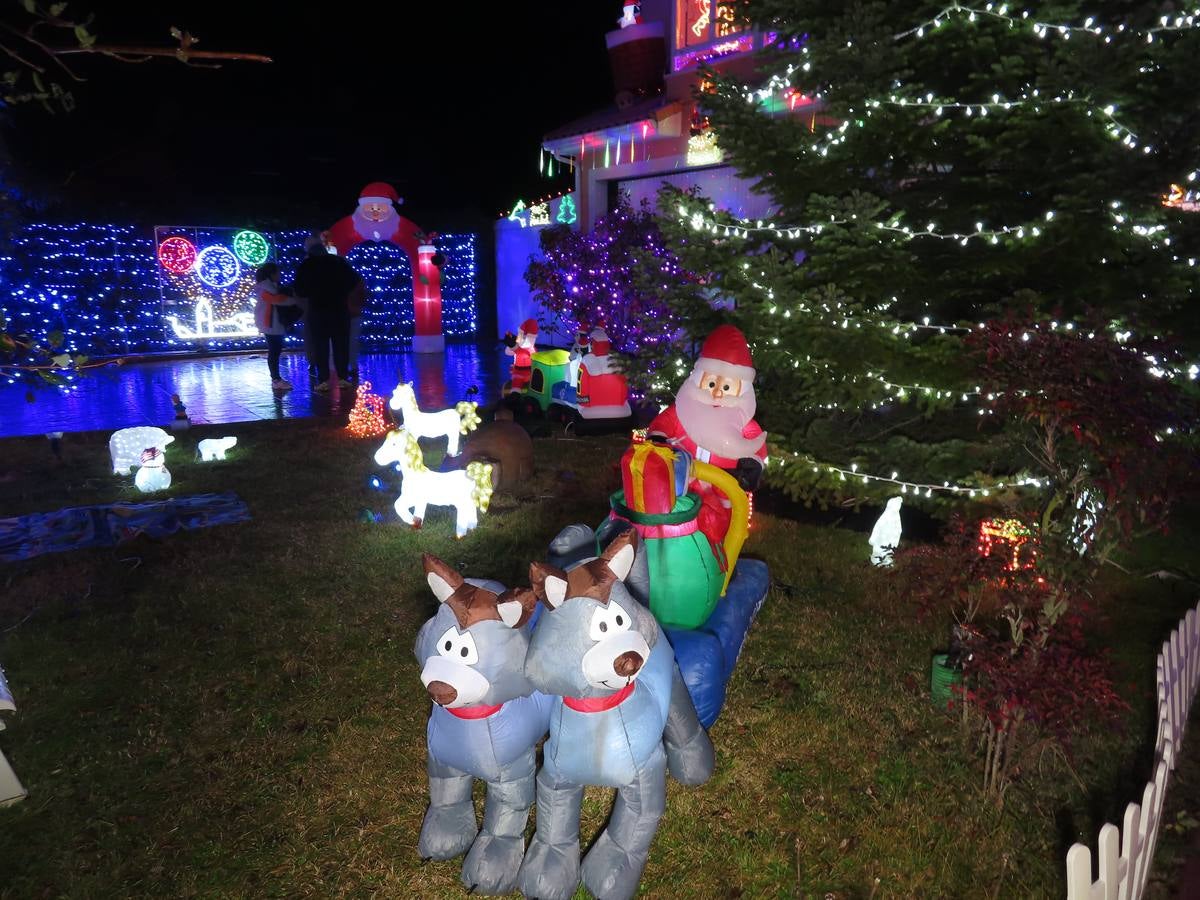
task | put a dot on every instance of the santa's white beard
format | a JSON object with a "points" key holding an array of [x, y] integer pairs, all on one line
{"points": [[367, 228], [718, 429]]}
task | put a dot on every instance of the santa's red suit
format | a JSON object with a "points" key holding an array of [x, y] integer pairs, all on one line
{"points": [[522, 354], [727, 421]]}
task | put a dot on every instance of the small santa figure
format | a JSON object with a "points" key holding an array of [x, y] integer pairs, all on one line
{"points": [[631, 14], [521, 349], [579, 346], [375, 219], [603, 392], [712, 418]]}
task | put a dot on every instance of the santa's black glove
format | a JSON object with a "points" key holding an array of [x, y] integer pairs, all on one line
{"points": [[510, 340], [748, 472]]}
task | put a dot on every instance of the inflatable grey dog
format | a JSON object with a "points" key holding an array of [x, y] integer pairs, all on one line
{"points": [[621, 715], [485, 722]]}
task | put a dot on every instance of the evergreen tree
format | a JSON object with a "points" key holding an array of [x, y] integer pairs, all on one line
{"points": [[964, 166]]}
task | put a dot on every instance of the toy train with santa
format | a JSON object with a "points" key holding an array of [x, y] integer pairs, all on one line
{"points": [[577, 387]]}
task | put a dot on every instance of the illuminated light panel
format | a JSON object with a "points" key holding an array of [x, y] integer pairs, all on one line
{"points": [[61, 277], [177, 255], [251, 248], [539, 214], [217, 267]]}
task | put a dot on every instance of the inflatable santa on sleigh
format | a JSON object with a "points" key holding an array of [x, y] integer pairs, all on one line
{"points": [[686, 496], [712, 419]]}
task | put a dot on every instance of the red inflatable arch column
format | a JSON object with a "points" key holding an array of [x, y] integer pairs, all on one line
{"points": [[376, 219]]}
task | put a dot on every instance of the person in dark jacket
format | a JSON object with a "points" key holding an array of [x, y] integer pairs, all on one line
{"points": [[327, 281]]}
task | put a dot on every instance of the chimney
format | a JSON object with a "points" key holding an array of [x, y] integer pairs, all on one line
{"points": [[638, 55]]}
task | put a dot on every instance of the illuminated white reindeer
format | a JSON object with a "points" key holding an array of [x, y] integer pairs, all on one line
{"points": [[467, 490], [460, 420]]}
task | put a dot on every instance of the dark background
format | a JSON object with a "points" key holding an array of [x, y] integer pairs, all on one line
{"points": [[447, 102]]}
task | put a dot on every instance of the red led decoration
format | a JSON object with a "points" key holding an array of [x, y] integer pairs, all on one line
{"points": [[177, 255], [367, 417], [1006, 534]]}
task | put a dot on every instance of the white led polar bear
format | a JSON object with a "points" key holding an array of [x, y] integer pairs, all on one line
{"points": [[126, 446], [214, 448]]}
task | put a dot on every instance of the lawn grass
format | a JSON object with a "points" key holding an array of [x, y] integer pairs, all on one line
{"points": [[236, 711]]}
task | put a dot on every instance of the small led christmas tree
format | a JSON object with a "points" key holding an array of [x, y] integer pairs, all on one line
{"points": [[367, 418]]}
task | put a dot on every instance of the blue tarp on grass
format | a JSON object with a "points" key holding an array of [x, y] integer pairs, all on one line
{"points": [[24, 537]]}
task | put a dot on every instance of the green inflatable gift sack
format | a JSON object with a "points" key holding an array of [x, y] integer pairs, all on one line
{"points": [[686, 575]]}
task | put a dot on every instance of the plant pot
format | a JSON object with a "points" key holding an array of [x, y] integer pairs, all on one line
{"points": [[942, 679]]}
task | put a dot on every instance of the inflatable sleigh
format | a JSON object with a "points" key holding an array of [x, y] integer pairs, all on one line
{"points": [[703, 596]]}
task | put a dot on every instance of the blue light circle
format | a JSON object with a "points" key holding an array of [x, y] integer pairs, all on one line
{"points": [[217, 266]]}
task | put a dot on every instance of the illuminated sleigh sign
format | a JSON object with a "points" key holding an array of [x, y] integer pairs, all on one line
{"points": [[206, 280]]}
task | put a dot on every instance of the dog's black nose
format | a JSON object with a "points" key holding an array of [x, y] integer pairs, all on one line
{"points": [[441, 692], [627, 664]]}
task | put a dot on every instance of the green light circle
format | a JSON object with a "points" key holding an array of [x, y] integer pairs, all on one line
{"points": [[251, 247]]}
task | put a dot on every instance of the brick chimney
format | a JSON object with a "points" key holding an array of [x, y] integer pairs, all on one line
{"points": [[638, 55]]}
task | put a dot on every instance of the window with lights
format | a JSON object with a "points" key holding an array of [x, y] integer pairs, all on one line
{"points": [[700, 22]]}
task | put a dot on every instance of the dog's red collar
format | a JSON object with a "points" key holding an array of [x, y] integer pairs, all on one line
{"points": [[598, 704], [473, 712]]}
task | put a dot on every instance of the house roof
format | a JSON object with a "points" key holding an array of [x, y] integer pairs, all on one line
{"points": [[610, 117]]}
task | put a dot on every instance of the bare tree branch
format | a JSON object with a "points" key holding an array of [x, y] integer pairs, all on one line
{"points": [[112, 49]]}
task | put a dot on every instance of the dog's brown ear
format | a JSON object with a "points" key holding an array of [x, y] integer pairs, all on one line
{"points": [[549, 584], [443, 580], [515, 606], [620, 553]]}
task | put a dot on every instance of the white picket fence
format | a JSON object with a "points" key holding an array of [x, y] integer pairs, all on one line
{"points": [[1125, 854], [10, 788]]}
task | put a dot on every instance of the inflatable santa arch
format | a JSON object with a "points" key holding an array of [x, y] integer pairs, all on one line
{"points": [[376, 219]]}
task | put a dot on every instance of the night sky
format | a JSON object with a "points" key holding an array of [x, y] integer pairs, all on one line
{"points": [[447, 101]]}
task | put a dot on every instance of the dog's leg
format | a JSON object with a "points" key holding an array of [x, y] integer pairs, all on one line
{"points": [[613, 867], [690, 755], [494, 860], [551, 867], [449, 826]]}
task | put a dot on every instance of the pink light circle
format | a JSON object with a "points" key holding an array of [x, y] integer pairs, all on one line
{"points": [[177, 255]]}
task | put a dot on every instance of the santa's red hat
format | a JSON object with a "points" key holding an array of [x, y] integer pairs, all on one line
{"points": [[725, 352], [599, 341], [380, 192], [529, 326]]}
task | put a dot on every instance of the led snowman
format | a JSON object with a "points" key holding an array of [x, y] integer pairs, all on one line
{"points": [[153, 474]]}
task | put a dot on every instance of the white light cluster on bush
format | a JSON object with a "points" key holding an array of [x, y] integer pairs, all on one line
{"points": [[851, 473], [1033, 229], [1027, 21]]}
